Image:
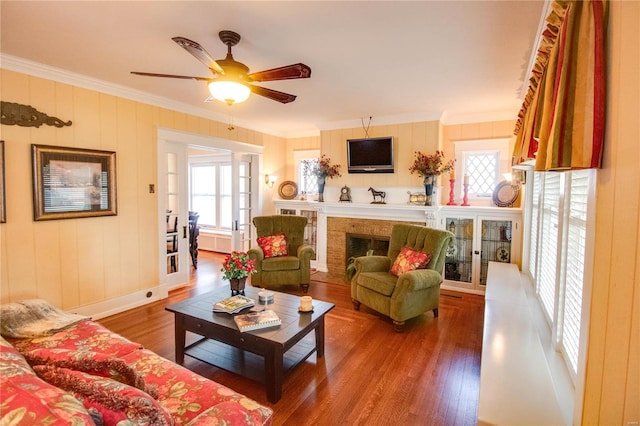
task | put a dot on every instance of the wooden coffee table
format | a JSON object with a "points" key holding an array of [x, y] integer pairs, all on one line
{"points": [[264, 355]]}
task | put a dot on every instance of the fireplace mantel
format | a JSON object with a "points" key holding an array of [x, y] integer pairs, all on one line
{"points": [[395, 212]]}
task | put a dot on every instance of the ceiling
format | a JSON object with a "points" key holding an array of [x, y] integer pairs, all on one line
{"points": [[389, 60]]}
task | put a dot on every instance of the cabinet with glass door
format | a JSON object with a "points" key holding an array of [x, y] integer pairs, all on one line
{"points": [[483, 235]]}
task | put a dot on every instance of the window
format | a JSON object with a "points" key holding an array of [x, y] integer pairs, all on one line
{"points": [[210, 194], [307, 184], [483, 170], [484, 161], [558, 254]]}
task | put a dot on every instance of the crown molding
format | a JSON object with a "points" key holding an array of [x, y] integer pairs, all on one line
{"points": [[24, 66]]}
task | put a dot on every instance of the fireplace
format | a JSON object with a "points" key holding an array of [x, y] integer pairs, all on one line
{"points": [[359, 245], [368, 233]]}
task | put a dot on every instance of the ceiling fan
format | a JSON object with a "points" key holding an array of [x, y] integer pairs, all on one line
{"points": [[231, 79]]}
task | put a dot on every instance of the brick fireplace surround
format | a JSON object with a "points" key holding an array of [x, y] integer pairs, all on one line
{"points": [[339, 227]]}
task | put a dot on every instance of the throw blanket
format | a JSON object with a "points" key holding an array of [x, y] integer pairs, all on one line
{"points": [[34, 318]]}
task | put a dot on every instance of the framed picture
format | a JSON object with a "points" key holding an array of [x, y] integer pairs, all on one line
{"points": [[3, 209], [71, 182]]}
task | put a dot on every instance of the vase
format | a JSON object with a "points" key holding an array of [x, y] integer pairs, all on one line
{"points": [[321, 182], [237, 285], [429, 181]]}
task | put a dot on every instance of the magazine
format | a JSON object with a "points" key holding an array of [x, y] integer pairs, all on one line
{"points": [[232, 305], [257, 320]]}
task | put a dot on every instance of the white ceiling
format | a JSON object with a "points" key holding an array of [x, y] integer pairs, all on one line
{"points": [[390, 60]]}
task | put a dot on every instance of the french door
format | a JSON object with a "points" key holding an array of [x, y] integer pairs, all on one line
{"points": [[243, 169], [173, 217]]}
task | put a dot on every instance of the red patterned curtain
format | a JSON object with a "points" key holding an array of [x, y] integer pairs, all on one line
{"points": [[561, 123]]}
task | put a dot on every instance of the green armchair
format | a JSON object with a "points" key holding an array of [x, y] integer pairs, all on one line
{"points": [[293, 269], [411, 293]]}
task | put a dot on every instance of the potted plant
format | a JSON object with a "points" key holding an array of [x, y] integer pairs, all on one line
{"points": [[429, 167], [322, 169], [236, 268]]}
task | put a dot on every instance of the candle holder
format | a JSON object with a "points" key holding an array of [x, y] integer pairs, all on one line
{"points": [[452, 195], [465, 199]]}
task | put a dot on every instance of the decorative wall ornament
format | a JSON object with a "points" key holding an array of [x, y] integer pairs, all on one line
{"points": [[27, 116]]}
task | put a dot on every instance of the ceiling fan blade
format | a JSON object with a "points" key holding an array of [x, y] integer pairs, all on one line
{"points": [[283, 73], [198, 51], [186, 77], [281, 97]]}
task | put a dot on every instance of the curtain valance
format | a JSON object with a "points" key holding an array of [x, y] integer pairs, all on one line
{"points": [[561, 122]]}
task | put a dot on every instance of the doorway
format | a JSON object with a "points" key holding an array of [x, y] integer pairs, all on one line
{"points": [[242, 190]]}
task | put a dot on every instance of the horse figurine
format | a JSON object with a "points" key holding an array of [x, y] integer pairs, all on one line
{"points": [[377, 194]]}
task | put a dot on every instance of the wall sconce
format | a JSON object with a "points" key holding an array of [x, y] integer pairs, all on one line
{"points": [[270, 179]]}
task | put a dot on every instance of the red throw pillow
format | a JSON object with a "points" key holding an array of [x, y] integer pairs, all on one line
{"points": [[109, 401], [408, 260], [274, 245]]}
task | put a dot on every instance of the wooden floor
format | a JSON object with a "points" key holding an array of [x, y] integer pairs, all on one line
{"points": [[370, 375]]}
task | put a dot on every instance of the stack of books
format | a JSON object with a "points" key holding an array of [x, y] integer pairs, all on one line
{"points": [[232, 305], [257, 320]]}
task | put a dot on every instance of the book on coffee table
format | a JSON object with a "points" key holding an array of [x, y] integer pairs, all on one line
{"points": [[232, 305], [257, 320]]}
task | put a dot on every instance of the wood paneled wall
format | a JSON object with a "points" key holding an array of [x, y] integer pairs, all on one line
{"points": [[79, 262], [612, 386], [408, 138]]}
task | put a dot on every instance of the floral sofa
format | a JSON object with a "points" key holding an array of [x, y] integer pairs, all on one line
{"points": [[74, 371]]}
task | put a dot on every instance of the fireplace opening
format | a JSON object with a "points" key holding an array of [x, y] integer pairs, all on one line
{"points": [[359, 245]]}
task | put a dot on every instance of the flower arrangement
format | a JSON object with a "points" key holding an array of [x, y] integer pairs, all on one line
{"points": [[430, 165], [321, 168], [237, 265]]}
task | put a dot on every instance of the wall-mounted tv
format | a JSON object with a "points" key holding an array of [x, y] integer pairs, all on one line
{"points": [[370, 155]]}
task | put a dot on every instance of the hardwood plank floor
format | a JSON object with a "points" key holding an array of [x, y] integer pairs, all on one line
{"points": [[370, 375]]}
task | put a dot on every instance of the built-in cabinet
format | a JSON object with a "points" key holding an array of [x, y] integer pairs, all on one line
{"points": [[483, 235]]}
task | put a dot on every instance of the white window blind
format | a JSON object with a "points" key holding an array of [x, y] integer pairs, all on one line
{"points": [[571, 303], [535, 209], [548, 243]]}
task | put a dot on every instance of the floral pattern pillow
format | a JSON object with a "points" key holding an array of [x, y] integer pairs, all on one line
{"points": [[108, 401], [29, 400], [274, 245], [409, 260]]}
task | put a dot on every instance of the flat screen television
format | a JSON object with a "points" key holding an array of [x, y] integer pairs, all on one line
{"points": [[370, 155]]}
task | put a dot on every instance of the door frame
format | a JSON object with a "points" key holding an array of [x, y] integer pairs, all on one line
{"points": [[166, 136]]}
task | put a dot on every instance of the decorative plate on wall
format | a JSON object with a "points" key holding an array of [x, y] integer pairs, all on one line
{"points": [[502, 255], [505, 194], [288, 190]]}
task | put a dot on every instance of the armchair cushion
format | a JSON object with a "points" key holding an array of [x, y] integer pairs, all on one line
{"points": [[274, 245], [281, 263], [408, 260]]}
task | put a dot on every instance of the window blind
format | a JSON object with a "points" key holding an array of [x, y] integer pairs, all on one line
{"points": [[548, 243], [535, 211], [571, 304]]}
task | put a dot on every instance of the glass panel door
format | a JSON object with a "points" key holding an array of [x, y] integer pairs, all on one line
{"points": [[242, 202], [172, 195], [495, 244], [459, 260]]}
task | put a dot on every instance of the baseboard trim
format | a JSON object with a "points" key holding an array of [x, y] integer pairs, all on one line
{"points": [[120, 304]]}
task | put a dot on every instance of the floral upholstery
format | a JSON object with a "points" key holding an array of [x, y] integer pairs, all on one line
{"points": [[408, 260], [108, 401], [116, 379], [28, 400], [274, 245], [186, 395]]}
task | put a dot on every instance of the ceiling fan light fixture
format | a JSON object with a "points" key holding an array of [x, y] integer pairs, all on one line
{"points": [[229, 92]]}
